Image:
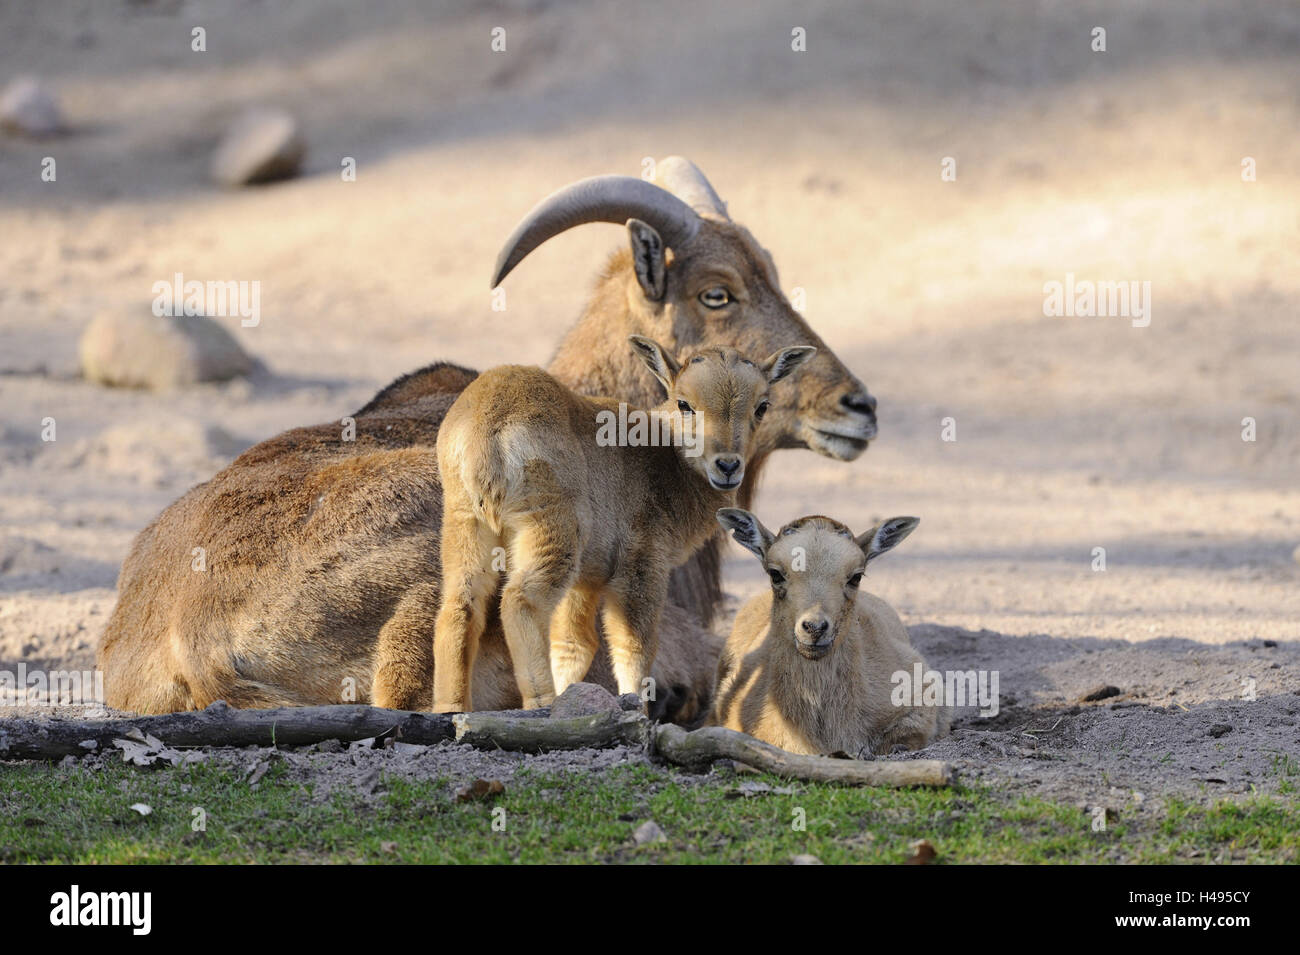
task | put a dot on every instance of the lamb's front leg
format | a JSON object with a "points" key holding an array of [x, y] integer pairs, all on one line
{"points": [[633, 605]]}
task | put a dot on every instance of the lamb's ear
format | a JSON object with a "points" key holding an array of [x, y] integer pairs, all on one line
{"points": [[781, 363], [886, 535], [663, 365], [648, 259], [747, 529]]}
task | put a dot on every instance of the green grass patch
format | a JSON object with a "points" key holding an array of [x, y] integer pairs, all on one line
{"points": [[83, 815]]}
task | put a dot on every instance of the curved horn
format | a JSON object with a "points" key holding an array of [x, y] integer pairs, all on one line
{"points": [[598, 199], [684, 180]]}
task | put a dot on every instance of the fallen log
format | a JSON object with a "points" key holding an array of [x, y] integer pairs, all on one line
{"points": [[222, 725], [525, 734], [517, 731], [703, 746]]}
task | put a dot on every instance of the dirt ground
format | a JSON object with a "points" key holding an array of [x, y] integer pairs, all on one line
{"points": [[1071, 433]]}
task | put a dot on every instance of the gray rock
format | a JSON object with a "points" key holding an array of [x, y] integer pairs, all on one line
{"points": [[29, 107], [583, 699], [649, 832], [137, 349], [262, 145], [805, 860]]}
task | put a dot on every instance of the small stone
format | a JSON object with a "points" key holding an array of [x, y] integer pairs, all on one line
{"points": [[649, 832], [805, 860], [29, 107], [1270, 644], [258, 771], [137, 349], [262, 145], [583, 699], [631, 703], [1220, 729], [142, 808]]}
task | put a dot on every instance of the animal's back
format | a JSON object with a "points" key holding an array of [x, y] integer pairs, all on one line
{"points": [[265, 585], [505, 421]]}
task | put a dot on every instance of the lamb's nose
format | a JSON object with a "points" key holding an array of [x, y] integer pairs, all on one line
{"points": [[728, 466], [815, 628], [859, 401]]}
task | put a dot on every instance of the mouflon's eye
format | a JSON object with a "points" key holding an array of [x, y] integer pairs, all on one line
{"points": [[776, 576], [855, 580], [684, 408], [761, 410], [715, 297]]}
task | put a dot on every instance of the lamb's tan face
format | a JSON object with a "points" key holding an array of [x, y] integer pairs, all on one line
{"points": [[815, 573], [722, 398], [815, 565]]}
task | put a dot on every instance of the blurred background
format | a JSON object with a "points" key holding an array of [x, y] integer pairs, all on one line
{"points": [[1072, 433]]}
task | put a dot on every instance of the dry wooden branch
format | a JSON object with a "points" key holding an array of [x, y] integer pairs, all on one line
{"points": [[703, 746], [222, 725], [527, 734]]}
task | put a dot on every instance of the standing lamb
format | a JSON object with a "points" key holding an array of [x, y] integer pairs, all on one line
{"points": [[809, 667], [533, 485]]}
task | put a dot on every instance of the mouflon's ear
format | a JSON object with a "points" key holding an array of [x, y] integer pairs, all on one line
{"points": [[780, 364], [648, 260], [886, 535], [663, 365], [747, 529]]}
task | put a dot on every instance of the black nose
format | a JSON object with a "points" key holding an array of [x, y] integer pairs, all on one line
{"points": [[859, 401], [814, 630], [728, 466]]}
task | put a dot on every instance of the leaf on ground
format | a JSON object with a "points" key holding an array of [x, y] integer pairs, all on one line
{"points": [[923, 852], [144, 750], [480, 789]]}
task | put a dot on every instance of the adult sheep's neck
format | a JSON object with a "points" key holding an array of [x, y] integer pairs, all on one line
{"points": [[683, 495], [594, 357]]}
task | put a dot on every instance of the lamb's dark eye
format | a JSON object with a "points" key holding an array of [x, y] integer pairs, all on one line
{"points": [[684, 408], [761, 410], [775, 576], [715, 297], [855, 580]]}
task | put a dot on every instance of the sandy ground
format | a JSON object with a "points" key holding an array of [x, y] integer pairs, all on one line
{"points": [[1072, 433]]}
